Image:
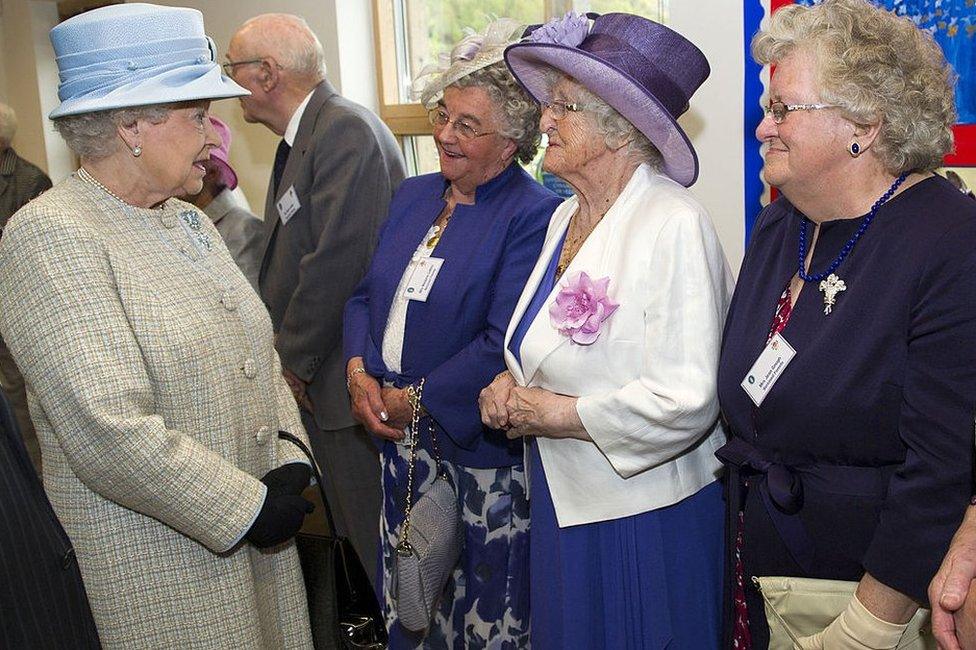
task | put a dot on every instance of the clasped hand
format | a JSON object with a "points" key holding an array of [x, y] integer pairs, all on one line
{"points": [[384, 412], [522, 411]]}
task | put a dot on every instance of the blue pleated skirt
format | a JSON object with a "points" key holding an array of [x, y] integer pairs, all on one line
{"points": [[648, 581]]}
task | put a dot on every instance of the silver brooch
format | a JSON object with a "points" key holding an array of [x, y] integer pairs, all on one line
{"points": [[192, 220], [830, 288]]}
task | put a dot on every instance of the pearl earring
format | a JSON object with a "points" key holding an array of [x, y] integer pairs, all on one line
{"points": [[137, 151]]}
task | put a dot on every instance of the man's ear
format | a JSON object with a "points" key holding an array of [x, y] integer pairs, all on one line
{"points": [[270, 75]]}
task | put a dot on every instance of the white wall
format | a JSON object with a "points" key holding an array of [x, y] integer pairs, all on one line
{"points": [[21, 88], [714, 121], [61, 162], [28, 80]]}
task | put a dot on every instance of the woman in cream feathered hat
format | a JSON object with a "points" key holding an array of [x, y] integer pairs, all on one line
{"points": [[155, 388]]}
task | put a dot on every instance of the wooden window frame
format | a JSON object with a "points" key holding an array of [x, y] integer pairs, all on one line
{"points": [[411, 119]]}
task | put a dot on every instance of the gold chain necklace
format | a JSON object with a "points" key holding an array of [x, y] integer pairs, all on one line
{"points": [[435, 237], [572, 245]]}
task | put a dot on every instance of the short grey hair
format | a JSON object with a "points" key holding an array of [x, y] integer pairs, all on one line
{"points": [[94, 136], [877, 67], [8, 125], [291, 42], [610, 124], [521, 114]]}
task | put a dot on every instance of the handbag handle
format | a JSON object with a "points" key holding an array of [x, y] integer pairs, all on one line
{"points": [[414, 395], [295, 440]]}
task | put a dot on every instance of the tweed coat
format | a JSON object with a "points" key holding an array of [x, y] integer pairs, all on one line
{"points": [[156, 394]]}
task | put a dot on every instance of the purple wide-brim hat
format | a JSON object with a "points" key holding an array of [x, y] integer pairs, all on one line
{"points": [[644, 70]]}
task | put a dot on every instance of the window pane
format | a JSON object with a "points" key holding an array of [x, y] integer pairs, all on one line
{"points": [[653, 9], [432, 27], [420, 152]]}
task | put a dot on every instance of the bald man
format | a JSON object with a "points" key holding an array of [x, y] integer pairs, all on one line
{"points": [[335, 171]]}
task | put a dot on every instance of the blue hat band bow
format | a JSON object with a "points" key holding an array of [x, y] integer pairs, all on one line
{"points": [[92, 73]]}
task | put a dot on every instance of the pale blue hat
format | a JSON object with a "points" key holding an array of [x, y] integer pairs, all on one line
{"points": [[136, 54]]}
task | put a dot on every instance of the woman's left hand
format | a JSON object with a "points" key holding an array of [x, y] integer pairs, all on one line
{"points": [[538, 412], [398, 408]]}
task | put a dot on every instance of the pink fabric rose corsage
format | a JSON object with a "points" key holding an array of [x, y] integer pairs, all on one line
{"points": [[580, 308], [570, 30]]}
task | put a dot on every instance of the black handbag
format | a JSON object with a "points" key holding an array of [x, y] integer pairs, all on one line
{"points": [[342, 605]]}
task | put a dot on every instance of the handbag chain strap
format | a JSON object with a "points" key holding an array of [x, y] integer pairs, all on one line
{"points": [[414, 396]]}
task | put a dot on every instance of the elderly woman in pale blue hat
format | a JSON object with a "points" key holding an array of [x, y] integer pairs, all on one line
{"points": [[613, 347], [153, 381]]}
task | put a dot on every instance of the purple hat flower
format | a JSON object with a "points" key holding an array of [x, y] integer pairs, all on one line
{"points": [[644, 70], [570, 30]]}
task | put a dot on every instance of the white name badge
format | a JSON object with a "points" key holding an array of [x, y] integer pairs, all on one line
{"points": [[767, 369], [422, 279], [288, 205]]}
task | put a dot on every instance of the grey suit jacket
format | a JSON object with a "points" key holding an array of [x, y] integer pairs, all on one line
{"points": [[345, 165], [242, 232]]}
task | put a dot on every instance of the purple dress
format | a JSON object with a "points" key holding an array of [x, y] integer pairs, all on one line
{"points": [[644, 581]]}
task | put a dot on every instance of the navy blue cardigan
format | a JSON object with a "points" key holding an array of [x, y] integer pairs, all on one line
{"points": [[886, 381], [455, 338]]}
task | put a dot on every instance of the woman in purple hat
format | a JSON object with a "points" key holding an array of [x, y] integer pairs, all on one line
{"points": [[153, 381], [848, 369], [612, 350]]}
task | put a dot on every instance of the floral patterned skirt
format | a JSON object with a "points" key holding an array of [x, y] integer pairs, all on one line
{"points": [[485, 602]]}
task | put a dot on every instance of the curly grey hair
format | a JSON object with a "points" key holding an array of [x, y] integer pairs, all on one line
{"points": [[520, 112], [878, 68], [94, 135], [609, 123]]}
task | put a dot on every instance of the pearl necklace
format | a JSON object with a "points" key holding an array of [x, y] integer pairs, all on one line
{"points": [[86, 176]]}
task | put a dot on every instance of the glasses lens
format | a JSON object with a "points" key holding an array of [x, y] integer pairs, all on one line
{"points": [[556, 109], [437, 116], [465, 130], [779, 112]]}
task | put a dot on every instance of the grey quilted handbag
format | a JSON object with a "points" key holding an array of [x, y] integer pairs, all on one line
{"points": [[431, 539]]}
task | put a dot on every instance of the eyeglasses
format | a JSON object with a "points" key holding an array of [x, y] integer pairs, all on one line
{"points": [[439, 117], [560, 110], [779, 110], [230, 66]]}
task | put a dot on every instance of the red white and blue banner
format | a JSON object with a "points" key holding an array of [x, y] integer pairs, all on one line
{"points": [[953, 25]]}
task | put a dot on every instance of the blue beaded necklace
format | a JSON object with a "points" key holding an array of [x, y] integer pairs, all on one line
{"points": [[830, 284]]}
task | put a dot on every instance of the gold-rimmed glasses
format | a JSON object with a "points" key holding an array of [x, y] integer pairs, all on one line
{"points": [[560, 109], [440, 118]]}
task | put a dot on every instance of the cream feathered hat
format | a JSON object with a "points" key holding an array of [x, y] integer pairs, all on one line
{"points": [[472, 53]]}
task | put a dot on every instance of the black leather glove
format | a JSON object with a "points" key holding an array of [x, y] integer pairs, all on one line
{"points": [[292, 478], [280, 518]]}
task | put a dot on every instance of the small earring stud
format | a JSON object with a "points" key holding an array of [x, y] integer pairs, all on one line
{"points": [[137, 151], [855, 149]]}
